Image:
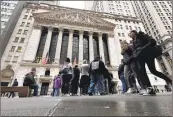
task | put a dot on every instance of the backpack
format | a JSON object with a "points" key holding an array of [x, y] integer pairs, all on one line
{"points": [[95, 66]]}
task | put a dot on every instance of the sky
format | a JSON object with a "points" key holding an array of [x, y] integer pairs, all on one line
{"points": [[73, 4]]}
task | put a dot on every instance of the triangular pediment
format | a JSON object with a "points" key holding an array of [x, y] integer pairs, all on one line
{"points": [[74, 17]]}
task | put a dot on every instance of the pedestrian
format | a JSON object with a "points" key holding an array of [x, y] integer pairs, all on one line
{"points": [[66, 76], [75, 80], [57, 84], [127, 61], [96, 71], [85, 79], [145, 52], [15, 84], [29, 80], [47, 72], [121, 77]]}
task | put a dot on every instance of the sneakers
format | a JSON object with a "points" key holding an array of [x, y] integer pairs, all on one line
{"points": [[142, 91], [90, 94], [149, 92], [131, 90]]}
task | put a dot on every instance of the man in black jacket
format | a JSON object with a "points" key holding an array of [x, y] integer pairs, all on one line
{"points": [[96, 71], [142, 44]]}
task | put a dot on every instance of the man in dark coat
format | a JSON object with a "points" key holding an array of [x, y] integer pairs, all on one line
{"points": [[96, 70]]}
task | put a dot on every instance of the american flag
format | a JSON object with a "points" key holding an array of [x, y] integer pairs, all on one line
{"points": [[45, 59]]}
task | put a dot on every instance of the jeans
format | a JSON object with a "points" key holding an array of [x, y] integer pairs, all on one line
{"points": [[129, 77], [56, 93], [124, 85], [35, 87], [99, 80], [66, 83], [152, 68], [106, 86]]}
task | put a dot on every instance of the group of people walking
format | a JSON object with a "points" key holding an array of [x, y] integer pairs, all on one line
{"points": [[94, 78], [140, 51]]}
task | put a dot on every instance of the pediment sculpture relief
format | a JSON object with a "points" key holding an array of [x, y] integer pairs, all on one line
{"points": [[74, 17], [7, 72]]}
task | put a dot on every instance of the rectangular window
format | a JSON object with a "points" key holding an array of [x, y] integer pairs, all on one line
{"points": [[23, 23], [15, 59], [27, 11], [12, 48], [27, 24], [25, 32], [19, 31], [139, 28], [22, 40], [130, 27], [123, 34], [30, 18], [25, 17], [19, 49], [119, 34], [16, 39], [9, 58]]}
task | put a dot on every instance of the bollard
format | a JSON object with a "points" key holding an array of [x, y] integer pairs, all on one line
{"points": [[16, 95]]}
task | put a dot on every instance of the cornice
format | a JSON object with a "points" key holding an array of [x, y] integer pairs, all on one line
{"points": [[98, 14]]}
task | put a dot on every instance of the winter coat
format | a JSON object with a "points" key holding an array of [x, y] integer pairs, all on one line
{"points": [[29, 80], [57, 82], [128, 54], [141, 42]]}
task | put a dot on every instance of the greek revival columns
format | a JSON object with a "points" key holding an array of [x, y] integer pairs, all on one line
{"points": [[91, 49], [58, 47], [81, 46], [101, 49], [33, 43], [70, 44], [48, 41]]}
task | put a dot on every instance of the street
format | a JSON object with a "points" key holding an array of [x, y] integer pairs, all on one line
{"points": [[113, 105]]}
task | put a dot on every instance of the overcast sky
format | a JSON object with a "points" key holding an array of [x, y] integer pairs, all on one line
{"points": [[73, 4]]}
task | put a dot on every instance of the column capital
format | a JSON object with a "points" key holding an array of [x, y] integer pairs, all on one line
{"points": [[50, 28], [81, 31], [38, 26], [110, 34], [100, 33], [61, 29], [71, 30], [90, 33]]}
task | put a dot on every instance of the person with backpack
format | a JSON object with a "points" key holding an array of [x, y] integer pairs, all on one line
{"points": [[29, 80], [145, 52], [66, 76], [96, 71], [57, 85]]}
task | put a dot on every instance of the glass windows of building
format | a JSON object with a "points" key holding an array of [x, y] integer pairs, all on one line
{"points": [[53, 44], [41, 45], [22, 40], [12, 48], [86, 47], [64, 46], [16, 39], [19, 49], [96, 45], [75, 50]]}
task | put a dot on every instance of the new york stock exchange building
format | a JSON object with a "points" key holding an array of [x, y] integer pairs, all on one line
{"points": [[60, 32]]}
